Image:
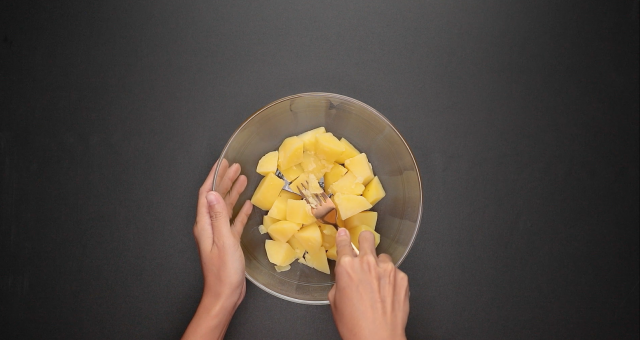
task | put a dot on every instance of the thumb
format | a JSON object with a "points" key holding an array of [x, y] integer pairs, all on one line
{"points": [[218, 214], [343, 244]]}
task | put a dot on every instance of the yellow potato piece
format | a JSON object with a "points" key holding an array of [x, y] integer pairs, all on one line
{"points": [[292, 173], [299, 212], [332, 253], [367, 218], [328, 147], [349, 205], [267, 191], [360, 167], [317, 259], [317, 172], [328, 235], [348, 184], [279, 209], [303, 178], [309, 161], [355, 233], [349, 151], [282, 268], [290, 152], [289, 195], [310, 237], [279, 253], [268, 163], [313, 185], [370, 177], [374, 192], [339, 220], [282, 231], [297, 246], [267, 221], [309, 138], [336, 172]]}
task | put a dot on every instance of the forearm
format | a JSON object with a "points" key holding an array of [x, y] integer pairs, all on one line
{"points": [[210, 320]]}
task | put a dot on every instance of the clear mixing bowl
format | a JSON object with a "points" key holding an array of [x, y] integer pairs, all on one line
{"points": [[370, 132]]}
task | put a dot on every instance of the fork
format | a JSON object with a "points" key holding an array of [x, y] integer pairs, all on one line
{"points": [[322, 207]]}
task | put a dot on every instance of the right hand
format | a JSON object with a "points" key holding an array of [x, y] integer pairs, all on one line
{"points": [[370, 299]]}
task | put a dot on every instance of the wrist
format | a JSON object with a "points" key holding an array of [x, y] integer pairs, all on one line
{"points": [[217, 304], [211, 319]]}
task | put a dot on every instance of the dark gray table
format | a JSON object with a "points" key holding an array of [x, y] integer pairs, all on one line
{"points": [[523, 116]]}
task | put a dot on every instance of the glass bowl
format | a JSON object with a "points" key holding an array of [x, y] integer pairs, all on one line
{"points": [[399, 212]]}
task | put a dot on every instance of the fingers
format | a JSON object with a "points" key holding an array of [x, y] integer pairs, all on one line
{"points": [[366, 244], [332, 294], [343, 244], [224, 183], [218, 215], [241, 219], [203, 210], [208, 183], [237, 188], [402, 286], [384, 258]]}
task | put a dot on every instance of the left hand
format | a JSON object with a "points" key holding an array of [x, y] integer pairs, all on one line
{"points": [[221, 256], [218, 239]]}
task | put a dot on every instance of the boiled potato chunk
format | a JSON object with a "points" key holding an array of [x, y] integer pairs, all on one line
{"points": [[309, 161], [279, 253], [290, 152], [339, 219], [320, 171], [355, 233], [336, 172], [349, 151], [299, 212], [309, 138], [328, 235], [290, 174], [311, 164], [332, 253], [367, 218], [267, 191], [328, 147], [289, 195], [348, 184], [282, 268], [374, 192], [279, 208], [310, 237], [268, 163], [313, 185], [267, 221], [317, 258], [282, 231], [349, 205], [297, 246], [370, 177], [303, 178], [360, 167]]}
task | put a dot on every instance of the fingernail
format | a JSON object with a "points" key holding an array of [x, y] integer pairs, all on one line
{"points": [[342, 232], [212, 198]]}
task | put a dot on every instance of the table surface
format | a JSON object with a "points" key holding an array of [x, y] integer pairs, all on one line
{"points": [[523, 117]]}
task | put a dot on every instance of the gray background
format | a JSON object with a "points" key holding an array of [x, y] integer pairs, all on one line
{"points": [[523, 117]]}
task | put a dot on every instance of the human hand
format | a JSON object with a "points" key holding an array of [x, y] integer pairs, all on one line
{"points": [[370, 299], [221, 256]]}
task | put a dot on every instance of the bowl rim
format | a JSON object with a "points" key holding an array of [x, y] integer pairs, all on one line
{"points": [[355, 101]]}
